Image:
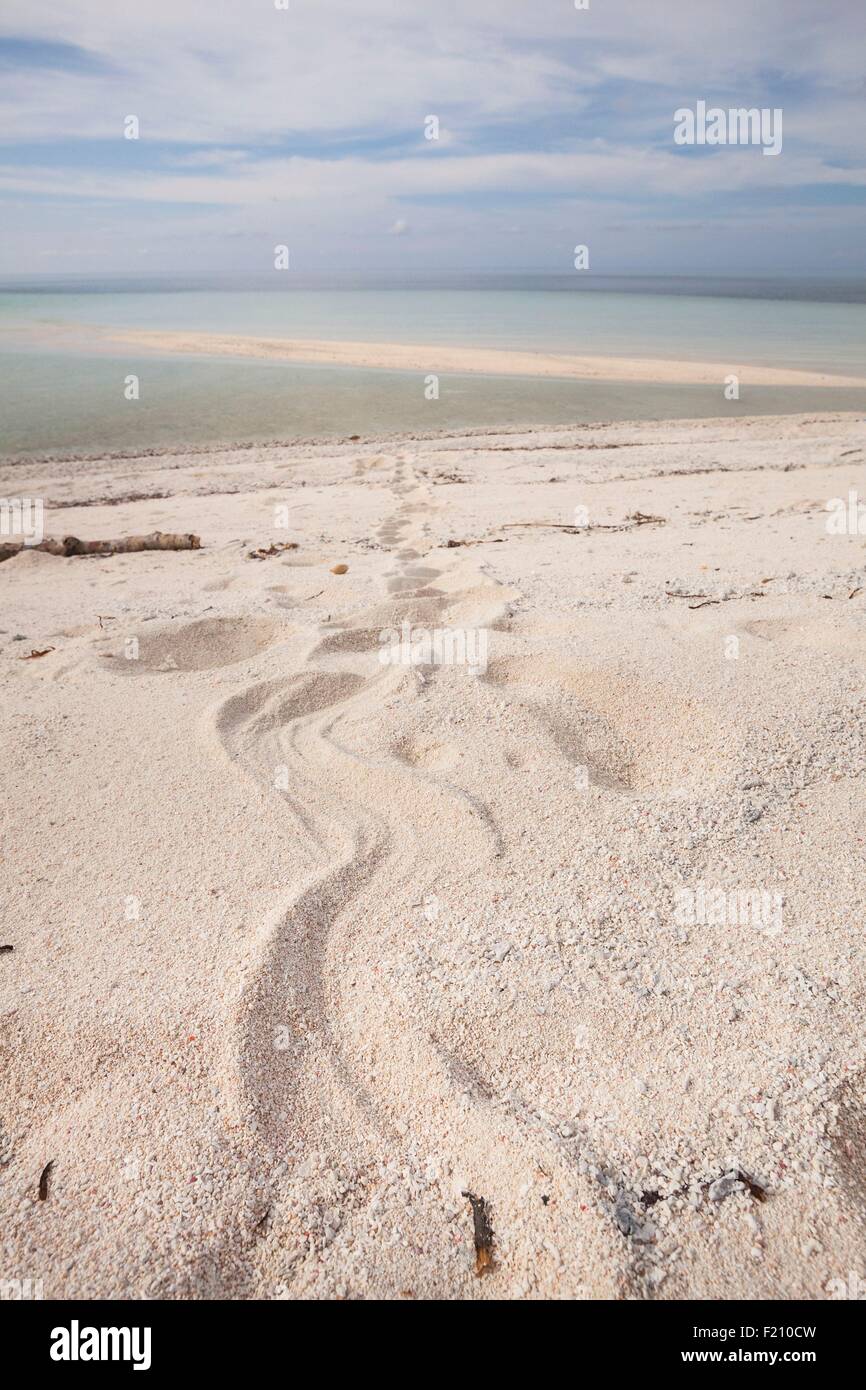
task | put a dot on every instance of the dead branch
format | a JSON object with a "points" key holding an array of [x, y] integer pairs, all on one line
{"points": [[636, 519]]}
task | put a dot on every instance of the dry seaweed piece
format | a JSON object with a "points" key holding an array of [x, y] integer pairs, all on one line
{"points": [[4, 949], [735, 1180], [757, 1191], [34, 654], [43, 1180], [483, 1234], [277, 548]]}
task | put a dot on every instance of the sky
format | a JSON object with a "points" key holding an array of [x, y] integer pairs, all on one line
{"points": [[304, 126]]}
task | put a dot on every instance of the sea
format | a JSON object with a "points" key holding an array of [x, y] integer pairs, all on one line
{"points": [[62, 391]]}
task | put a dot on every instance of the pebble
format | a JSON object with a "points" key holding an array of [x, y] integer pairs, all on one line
{"points": [[724, 1186]]}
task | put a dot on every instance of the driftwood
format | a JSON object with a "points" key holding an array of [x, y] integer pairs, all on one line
{"points": [[71, 545]]}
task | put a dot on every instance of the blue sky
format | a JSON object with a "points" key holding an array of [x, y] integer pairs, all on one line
{"points": [[262, 126]]}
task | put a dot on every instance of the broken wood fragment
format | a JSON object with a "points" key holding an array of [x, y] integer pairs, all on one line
{"points": [[483, 1234], [43, 1180]]}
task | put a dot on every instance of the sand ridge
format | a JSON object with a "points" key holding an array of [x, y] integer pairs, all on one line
{"points": [[444, 358]]}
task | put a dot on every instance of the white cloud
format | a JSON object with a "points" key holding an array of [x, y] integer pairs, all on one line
{"points": [[310, 122], [607, 172], [224, 72]]}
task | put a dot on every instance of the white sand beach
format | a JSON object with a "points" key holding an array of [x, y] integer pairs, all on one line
{"points": [[306, 946]]}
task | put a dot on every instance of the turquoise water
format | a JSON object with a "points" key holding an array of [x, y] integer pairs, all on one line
{"points": [[58, 396], [59, 405]]}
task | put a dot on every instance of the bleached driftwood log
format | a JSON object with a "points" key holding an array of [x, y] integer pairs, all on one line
{"points": [[71, 545]]}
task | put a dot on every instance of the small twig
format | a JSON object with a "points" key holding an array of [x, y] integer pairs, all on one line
{"points": [[631, 522], [732, 598], [550, 525], [485, 540]]}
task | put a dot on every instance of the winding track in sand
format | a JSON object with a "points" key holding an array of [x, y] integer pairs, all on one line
{"points": [[297, 987]]}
